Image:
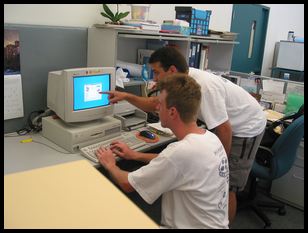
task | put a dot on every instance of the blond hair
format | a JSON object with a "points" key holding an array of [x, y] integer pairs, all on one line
{"points": [[183, 93]]}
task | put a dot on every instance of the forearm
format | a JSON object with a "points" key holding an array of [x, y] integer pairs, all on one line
{"points": [[224, 133], [144, 157], [146, 104], [121, 178]]}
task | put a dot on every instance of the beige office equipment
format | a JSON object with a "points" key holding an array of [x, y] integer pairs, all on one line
{"points": [[69, 195]]}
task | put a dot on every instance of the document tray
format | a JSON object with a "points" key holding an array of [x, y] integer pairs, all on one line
{"points": [[132, 120]]}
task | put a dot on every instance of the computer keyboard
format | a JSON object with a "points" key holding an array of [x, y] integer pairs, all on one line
{"points": [[128, 137]]}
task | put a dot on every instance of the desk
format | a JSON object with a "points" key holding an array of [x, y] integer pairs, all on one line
{"points": [[69, 195], [27, 167], [26, 156]]}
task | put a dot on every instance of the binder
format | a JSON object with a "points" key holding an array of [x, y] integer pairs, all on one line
{"points": [[192, 57], [203, 57], [198, 53]]}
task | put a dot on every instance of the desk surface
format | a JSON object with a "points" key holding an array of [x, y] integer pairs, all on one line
{"points": [[45, 188], [26, 156], [69, 195]]}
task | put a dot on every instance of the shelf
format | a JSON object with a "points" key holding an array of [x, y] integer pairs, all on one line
{"points": [[133, 83], [154, 36], [107, 45], [214, 41], [143, 34]]}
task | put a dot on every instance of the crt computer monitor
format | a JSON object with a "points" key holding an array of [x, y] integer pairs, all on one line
{"points": [[73, 94]]}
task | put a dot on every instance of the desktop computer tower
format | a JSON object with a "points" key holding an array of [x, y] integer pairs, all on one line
{"points": [[72, 136]]}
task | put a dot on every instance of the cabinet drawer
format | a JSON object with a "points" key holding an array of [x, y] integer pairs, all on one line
{"points": [[290, 187], [299, 161]]}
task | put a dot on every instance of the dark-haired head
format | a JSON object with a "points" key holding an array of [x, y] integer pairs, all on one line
{"points": [[169, 56]]}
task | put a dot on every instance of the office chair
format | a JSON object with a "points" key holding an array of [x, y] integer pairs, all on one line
{"points": [[282, 155]]}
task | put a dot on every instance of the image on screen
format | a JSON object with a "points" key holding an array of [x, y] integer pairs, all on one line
{"points": [[86, 91]]}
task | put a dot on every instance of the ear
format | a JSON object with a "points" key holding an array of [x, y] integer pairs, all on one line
{"points": [[173, 113], [173, 69]]}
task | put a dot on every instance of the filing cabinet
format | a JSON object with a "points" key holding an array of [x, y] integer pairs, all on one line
{"points": [[290, 187]]}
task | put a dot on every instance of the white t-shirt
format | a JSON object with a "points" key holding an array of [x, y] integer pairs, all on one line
{"points": [[222, 100], [193, 177]]}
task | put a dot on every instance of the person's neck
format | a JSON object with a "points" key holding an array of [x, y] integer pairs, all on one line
{"points": [[181, 129]]}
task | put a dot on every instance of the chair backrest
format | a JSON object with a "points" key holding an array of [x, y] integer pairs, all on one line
{"points": [[285, 148]]}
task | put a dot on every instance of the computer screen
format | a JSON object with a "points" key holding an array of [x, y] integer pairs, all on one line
{"points": [[74, 94], [86, 91]]}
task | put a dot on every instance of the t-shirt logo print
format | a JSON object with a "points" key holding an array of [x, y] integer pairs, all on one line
{"points": [[223, 167], [223, 201]]}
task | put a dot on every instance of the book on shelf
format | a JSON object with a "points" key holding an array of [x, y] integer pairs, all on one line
{"points": [[198, 53], [203, 64], [194, 54]]}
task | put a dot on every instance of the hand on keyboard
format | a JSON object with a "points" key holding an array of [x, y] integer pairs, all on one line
{"points": [[122, 150], [128, 138], [105, 157]]}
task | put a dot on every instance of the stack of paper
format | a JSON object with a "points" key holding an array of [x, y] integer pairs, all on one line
{"points": [[178, 22], [144, 25], [273, 91], [115, 26], [273, 115], [223, 34], [160, 130]]}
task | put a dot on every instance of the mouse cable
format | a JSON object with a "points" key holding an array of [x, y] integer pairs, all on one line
{"points": [[52, 147], [16, 134]]}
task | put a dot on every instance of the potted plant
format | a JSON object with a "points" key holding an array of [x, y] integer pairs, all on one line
{"points": [[115, 18]]}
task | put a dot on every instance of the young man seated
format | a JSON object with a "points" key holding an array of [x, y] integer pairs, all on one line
{"points": [[192, 174]]}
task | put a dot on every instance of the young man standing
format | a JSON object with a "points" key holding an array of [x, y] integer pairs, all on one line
{"points": [[191, 174], [235, 116]]}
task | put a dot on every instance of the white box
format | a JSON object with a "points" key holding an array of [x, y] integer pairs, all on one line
{"points": [[290, 55]]}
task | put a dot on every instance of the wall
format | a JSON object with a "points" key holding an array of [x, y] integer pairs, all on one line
{"points": [[43, 49], [282, 18], [85, 15], [75, 15]]}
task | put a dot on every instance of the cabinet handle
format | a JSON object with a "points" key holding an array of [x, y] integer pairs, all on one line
{"points": [[298, 177], [252, 35]]}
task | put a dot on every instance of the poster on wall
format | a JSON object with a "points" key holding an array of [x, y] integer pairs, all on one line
{"points": [[11, 52], [13, 100]]}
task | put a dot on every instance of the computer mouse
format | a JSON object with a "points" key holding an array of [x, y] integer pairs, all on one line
{"points": [[147, 134]]}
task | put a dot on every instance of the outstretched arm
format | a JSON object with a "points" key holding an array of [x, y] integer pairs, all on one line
{"points": [[147, 104]]}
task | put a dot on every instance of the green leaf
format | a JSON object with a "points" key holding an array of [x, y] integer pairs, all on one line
{"points": [[107, 16], [116, 17], [108, 11], [122, 15]]}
